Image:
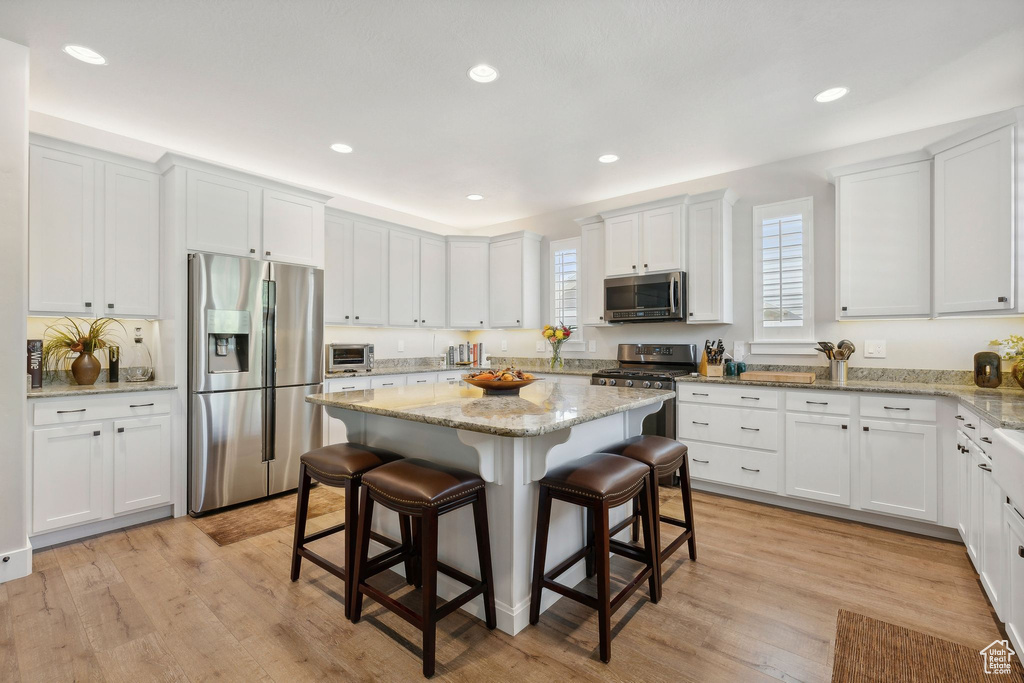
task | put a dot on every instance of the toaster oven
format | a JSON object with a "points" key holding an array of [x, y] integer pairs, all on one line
{"points": [[349, 358]]}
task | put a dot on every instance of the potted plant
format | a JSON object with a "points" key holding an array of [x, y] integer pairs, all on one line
{"points": [[556, 336], [1012, 349], [70, 344]]}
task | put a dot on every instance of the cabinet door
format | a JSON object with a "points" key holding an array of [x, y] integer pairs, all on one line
{"points": [[337, 271], [993, 541], [222, 215], [293, 229], [67, 471], [1015, 576], [974, 232], [964, 465], [61, 227], [976, 510], [142, 463], [132, 244], [884, 241], [622, 245], [506, 283], [432, 283], [662, 240], [704, 262], [369, 274], [388, 381], [898, 469], [403, 280], [818, 458], [467, 285], [592, 270]]}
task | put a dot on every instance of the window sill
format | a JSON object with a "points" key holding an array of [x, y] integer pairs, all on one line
{"points": [[773, 347]]}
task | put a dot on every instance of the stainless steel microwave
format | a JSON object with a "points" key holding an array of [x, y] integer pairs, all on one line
{"points": [[349, 357], [645, 298]]}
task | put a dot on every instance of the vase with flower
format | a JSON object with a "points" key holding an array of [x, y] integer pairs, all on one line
{"points": [[556, 336], [1012, 349], [70, 345]]}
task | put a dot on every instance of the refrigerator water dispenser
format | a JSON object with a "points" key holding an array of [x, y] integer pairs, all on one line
{"points": [[227, 341]]}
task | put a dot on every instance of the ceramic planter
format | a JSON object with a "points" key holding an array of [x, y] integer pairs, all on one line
{"points": [[85, 369]]}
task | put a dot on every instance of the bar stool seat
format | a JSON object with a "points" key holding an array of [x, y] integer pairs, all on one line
{"points": [[596, 477], [663, 454], [339, 462], [421, 483]]}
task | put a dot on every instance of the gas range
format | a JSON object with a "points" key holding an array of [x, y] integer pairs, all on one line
{"points": [[649, 366]]}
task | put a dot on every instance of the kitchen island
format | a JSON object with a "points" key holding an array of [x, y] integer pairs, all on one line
{"points": [[511, 441]]}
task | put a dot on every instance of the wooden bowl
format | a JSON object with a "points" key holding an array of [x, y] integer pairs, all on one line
{"points": [[496, 386]]}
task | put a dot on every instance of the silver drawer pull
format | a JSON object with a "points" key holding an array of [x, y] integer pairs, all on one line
{"points": [[348, 387], [65, 412], [986, 439], [703, 462], [141, 405], [985, 467], [694, 393], [816, 403], [387, 384], [750, 398], [894, 408], [703, 424], [748, 469], [751, 429]]}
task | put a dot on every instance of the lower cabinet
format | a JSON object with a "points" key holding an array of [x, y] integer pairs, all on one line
{"points": [[67, 475], [975, 509], [993, 540], [898, 469], [818, 458], [142, 463], [1013, 600]]}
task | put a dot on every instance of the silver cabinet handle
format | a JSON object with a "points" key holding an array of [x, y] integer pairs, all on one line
{"points": [[343, 388], [694, 393], [816, 403], [751, 429], [748, 469], [140, 405], [750, 398], [387, 384], [704, 424], [986, 439], [704, 462], [65, 412], [985, 467], [893, 408]]}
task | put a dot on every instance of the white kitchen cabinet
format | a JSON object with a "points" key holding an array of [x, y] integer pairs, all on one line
{"points": [[662, 239], [67, 475], [403, 279], [62, 236], [993, 566], [131, 282], [387, 381], [468, 283], [592, 265], [222, 214], [884, 244], [974, 232], [293, 229], [898, 469], [818, 458], [142, 463], [422, 378], [369, 274], [976, 509], [709, 257], [1014, 598], [514, 285], [432, 271], [338, 271], [622, 245], [964, 463]]}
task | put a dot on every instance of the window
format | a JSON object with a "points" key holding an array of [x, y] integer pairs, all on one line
{"points": [[565, 289], [783, 277]]}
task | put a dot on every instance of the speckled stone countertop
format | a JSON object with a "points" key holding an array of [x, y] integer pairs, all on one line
{"points": [[57, 389], [540, 408], [416, 369], [1003, 407]]}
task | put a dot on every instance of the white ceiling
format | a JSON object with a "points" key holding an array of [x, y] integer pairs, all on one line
{"points": [[679, 89]]}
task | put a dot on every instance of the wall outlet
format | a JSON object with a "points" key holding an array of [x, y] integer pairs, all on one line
{"points": [[593, 346], [401, 346], [540, 347], [504, 344], [874, 348]]}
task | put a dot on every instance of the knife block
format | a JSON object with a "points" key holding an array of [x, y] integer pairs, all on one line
{"points": [[708, 370]]}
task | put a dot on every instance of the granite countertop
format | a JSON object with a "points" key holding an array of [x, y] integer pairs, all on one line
{"points": [[417, 369], [1002, 407], [57, 389], [540, 408]]}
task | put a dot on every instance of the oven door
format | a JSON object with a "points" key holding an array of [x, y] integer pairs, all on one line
{"points": [[645, 297]]}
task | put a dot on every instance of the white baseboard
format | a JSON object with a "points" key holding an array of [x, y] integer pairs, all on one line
{"points": [[15, 564], [75, 533]]}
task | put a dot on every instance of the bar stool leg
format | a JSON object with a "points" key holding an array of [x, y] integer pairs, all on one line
{"points": [[301, 510], [684, 486], [635, 533], [429, 560], [648, 516], [363, 542], [405, 528], [540, 552], [351, 529], [417, 550], [483, 549], [590, 566], [604, 612]]}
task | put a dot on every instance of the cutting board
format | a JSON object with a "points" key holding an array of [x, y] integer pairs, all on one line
{"points": [[765, 376]]}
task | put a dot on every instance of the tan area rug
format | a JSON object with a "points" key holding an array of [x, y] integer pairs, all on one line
{"points": [[238, 524], [871, 650]]}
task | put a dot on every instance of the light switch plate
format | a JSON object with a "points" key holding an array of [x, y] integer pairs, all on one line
{"points": [[504, 344], [401, 346], [540, 347], [874, 348], [593, 348]]}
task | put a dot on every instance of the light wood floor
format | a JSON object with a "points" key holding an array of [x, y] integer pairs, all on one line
{"points": [[163, 602]]}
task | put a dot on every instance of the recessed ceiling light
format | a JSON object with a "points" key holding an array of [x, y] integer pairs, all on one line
{"points": [[831, 95], [608, 158], [341, 148], [84, 54], [474, 197], [483, 73]]}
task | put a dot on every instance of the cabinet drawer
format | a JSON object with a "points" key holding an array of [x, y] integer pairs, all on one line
{"points": [[347, 384], [727, 396], [734, 466], [820, 402], [73, 410], [890, 407], [388, 381], [424, 378], [727, 425], [968, 421], [449, 376]]}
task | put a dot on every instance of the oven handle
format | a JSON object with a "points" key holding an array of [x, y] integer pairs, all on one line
{"points": [[675, 294]]}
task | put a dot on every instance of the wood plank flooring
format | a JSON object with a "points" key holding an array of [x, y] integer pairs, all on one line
{"points": [[164, 602]]}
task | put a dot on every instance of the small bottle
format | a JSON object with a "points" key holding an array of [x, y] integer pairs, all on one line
{"points": [[140, 360], [114, 362]]}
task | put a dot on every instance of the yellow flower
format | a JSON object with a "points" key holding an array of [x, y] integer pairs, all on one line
{"points": [[548, 332], [547, 327], [559, 334]]}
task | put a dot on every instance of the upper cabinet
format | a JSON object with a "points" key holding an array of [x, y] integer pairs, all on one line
{"points": [[883, 217], [592, 263], [338, 270], [709, 257], [661, 241], [222, 214], [974, 231], [369, 267], [293, 229], [622, 245], [403, 280], [644, 239], [433, 279], [94, 234], [515, 281], [468, 280]]}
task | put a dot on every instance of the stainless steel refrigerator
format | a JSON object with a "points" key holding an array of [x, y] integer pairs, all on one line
{"points": [[255, 352]]}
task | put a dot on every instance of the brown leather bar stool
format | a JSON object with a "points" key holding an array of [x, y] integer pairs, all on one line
{"points": [[424, 491], [598, 483], [663, 457], [341, 465]]}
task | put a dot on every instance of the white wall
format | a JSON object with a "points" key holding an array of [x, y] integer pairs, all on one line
{"points": [[938, 344], [417, 343], [14, 546]]}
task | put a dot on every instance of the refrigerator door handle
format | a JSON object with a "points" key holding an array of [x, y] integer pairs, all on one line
{"points": [[269, 359]]}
